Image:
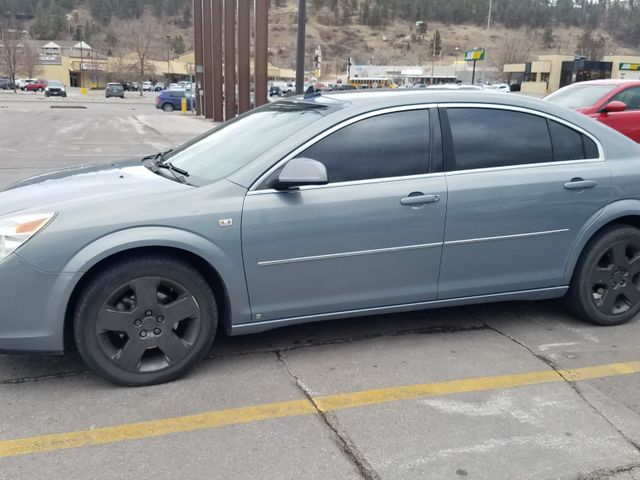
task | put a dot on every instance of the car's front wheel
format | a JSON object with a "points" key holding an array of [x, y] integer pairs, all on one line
{"points": [[168, 107], [145, 321], [605, 288]]}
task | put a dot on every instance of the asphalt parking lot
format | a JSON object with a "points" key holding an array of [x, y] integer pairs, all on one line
{"points": [[505, 391]]}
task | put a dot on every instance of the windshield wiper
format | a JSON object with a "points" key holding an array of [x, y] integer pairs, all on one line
{"points": [[160, 162]]}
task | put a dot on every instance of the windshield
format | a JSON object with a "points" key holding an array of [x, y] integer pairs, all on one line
{"points": [[580, 96], [229, 147]]}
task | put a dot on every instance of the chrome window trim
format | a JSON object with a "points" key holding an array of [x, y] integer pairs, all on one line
{"points": [[333, 129], [267, 263], [530, 111], [348, 184]]}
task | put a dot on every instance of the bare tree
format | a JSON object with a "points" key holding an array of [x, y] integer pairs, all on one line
{"points": [[141, 39], [29, 60], [10, 49], [515, 48]]}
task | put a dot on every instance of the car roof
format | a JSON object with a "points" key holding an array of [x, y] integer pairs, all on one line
{"points": [[609, 81]]}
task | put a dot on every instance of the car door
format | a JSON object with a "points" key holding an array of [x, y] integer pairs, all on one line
{"points": [[627, 121], [521, 187], [371, 237]]}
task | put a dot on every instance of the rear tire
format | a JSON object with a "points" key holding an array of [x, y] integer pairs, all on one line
{"points": [[605, 288], [168, 107], [145, 321]]}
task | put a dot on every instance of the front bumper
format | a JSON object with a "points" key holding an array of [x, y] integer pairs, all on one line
{"points": [[56, 93], [32, 307]]}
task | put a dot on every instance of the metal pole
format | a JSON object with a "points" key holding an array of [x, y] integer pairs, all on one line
{"points": [[302, 20], [433, 58], [230, 58], [473, 73], [218, 96], [244, 42], [199, 40], [486, 41], [207, 43], [261, 14]]}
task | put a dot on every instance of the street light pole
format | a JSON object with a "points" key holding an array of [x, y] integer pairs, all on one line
{"points": [[486, 41], [302, 19], [168, 37]]}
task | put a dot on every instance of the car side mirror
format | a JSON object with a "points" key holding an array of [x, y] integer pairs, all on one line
{"points": [[615, 106], [301, 171]]}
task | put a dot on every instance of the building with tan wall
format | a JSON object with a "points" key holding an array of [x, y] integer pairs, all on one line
{"points": [[551, 72]]}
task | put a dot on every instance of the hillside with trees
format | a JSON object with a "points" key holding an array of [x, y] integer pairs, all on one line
{"points": [[376, 31]]}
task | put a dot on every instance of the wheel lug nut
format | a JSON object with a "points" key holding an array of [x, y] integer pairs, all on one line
{"points": [[137, 323], [143, 333], [157, 331], [148, 313], [160, 319]]}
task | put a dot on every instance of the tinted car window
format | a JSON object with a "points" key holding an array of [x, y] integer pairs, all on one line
{"points": [[567, 143], [389, 145], [484, 137]]}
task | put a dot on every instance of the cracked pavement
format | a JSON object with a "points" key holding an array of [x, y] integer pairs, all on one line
{"points": [[566, 429]]}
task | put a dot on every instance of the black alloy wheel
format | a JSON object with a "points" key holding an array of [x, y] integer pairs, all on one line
{"points": [[145, 321], [606, 285]]}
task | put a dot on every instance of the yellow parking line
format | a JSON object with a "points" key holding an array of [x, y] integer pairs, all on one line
{"points": [[235, 416]]}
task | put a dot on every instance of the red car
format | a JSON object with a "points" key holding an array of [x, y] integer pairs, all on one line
{"points": [[615, 103], [37, 86]]}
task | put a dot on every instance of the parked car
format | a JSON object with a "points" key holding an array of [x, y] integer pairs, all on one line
{"points": [[35, 86], [338, 211], [170, 100], [158, 87], [5, 83], [23, 82], [615, 103], [129, 86], [497, 87], [114, 90], [175, 86], [275, 91], [55, 88], [186, 85], [147, 86]]}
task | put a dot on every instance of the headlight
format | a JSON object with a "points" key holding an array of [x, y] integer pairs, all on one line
{"points": [[16, 230]]}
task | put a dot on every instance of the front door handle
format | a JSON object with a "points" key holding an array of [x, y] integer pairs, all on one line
{"points": [[419, 199], [579, 184]]}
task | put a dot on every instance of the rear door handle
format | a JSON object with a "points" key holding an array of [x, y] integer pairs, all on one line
{"points": [[579, 184], [419, 199]]}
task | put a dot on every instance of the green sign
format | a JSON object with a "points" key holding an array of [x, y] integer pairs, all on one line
{"points": [[473, 55], [633, 67]]}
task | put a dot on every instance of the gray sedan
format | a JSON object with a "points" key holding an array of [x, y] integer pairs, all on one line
{"points": [[321, 208]]}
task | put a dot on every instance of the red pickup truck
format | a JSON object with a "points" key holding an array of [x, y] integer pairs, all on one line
{"points": [[37, 86]]}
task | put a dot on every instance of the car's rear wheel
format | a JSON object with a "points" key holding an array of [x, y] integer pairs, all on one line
{"points": [[168, 107], [145, 321], [605, 289]]}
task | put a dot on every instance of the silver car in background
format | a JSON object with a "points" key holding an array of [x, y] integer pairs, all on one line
{"points": [[321, 208]]}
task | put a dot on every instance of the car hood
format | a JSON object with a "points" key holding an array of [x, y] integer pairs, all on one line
{"points": [[87, 184]]}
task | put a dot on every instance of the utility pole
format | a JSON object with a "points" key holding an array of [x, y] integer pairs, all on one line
{"points": [[302, 19], [486, 41], [433, 58]]}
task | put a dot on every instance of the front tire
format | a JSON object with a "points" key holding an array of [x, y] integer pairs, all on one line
{"points": [[605, 288], [168, 107], [145, 321]]}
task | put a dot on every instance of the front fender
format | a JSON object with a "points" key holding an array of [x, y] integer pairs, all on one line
{"points": [[605, 216], [227, 260]]}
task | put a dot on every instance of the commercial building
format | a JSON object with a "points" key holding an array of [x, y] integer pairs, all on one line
{"points": [[551, 72]]}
